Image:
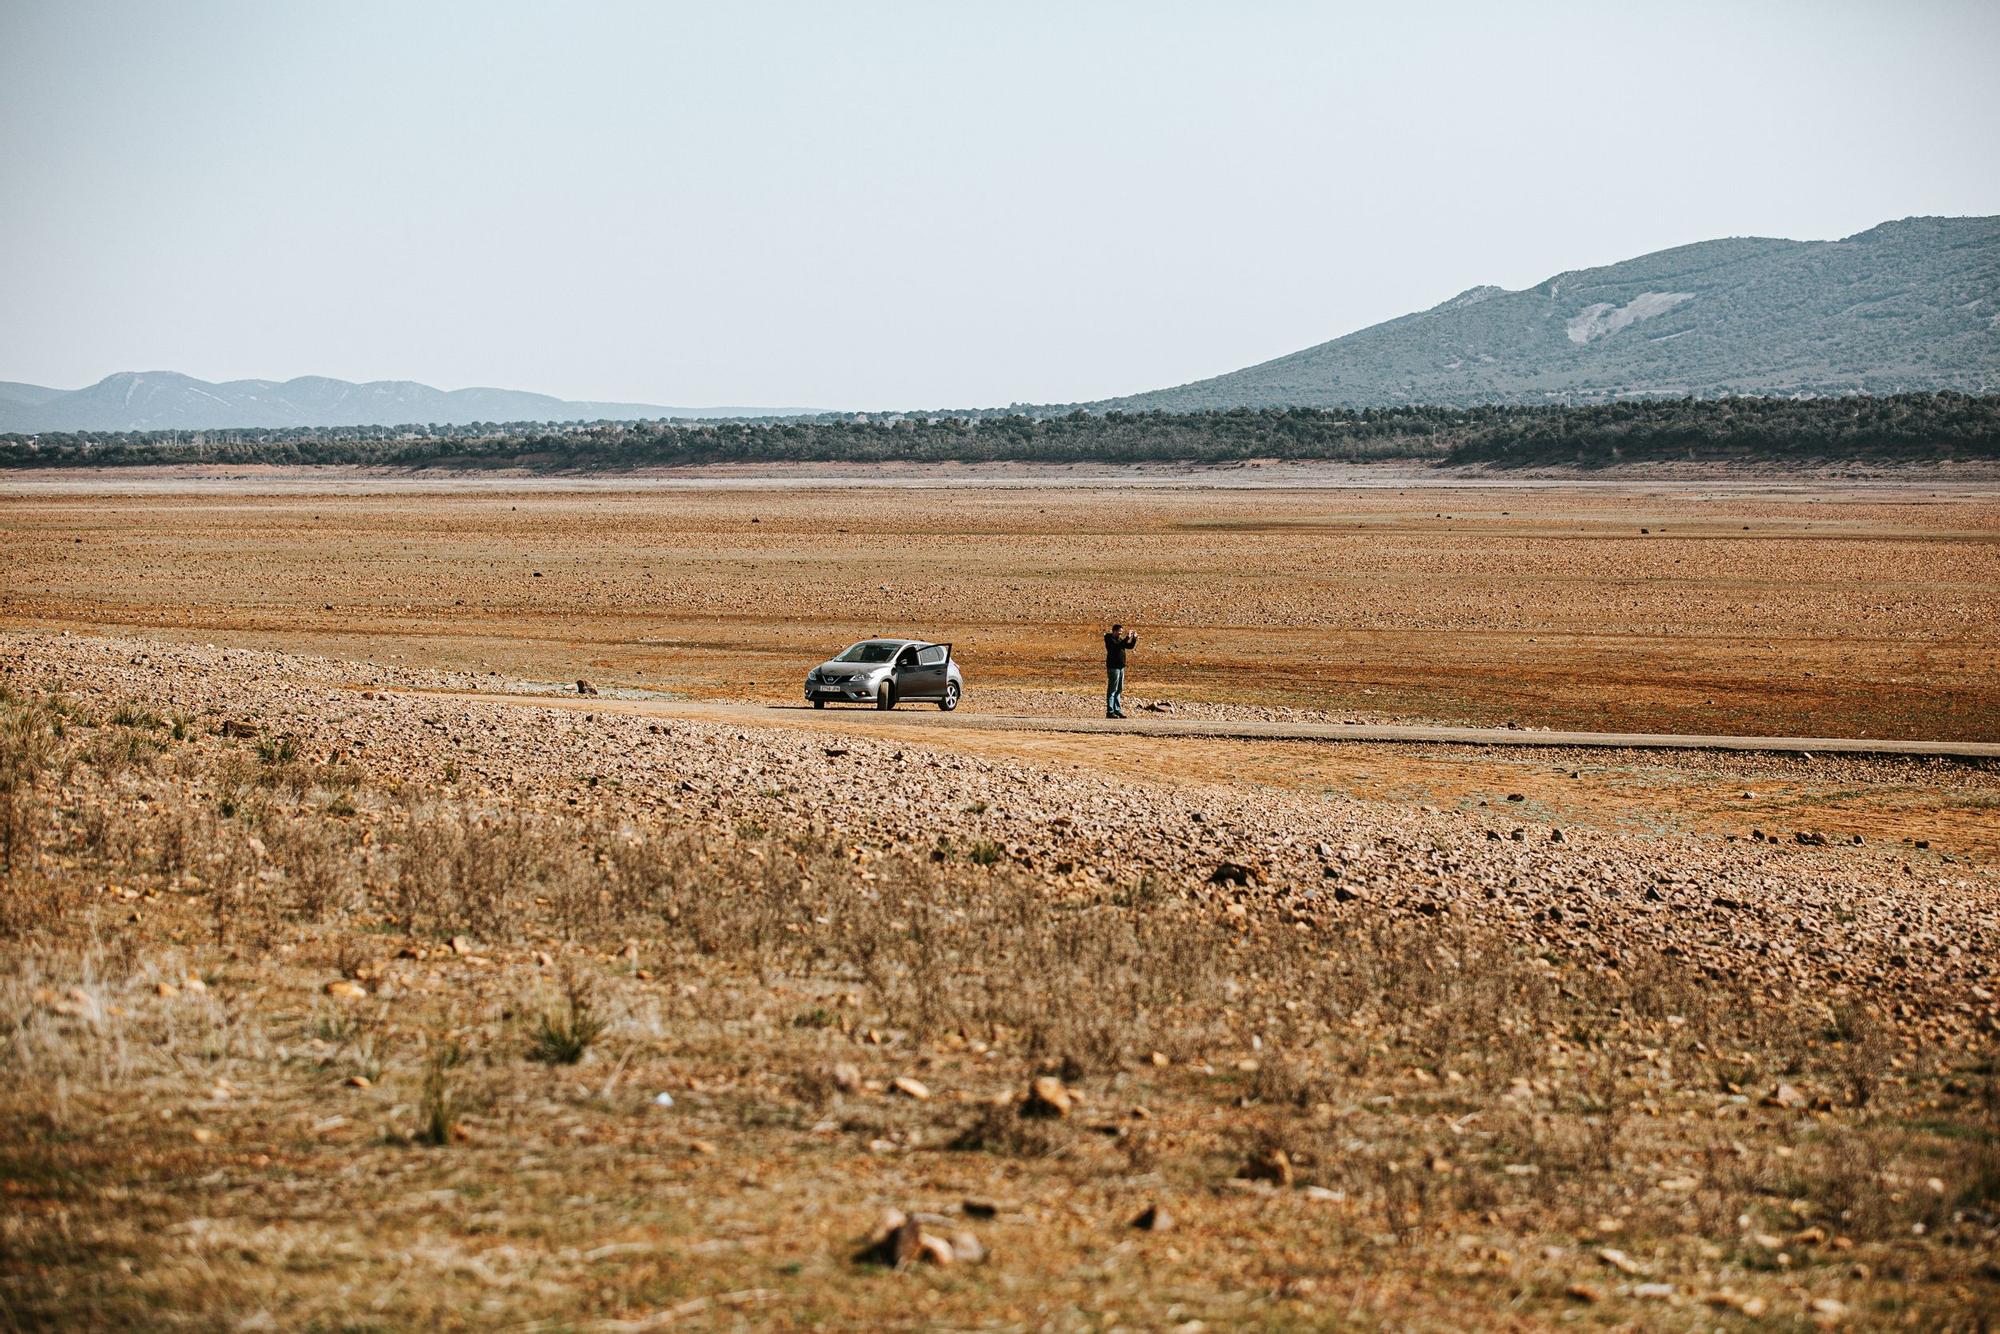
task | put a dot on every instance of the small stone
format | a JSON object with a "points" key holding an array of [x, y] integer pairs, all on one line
{"points": [[967, 1248], [342, 989], [358, 1082], [1235, 873], [1153, 1218], [911, 1088], [1046, 1098], [1273, 1165], [935, 1250], [896, 1241], [1786, 1096], [1583, 1292], [846, 1076], [461, 945], [1620, 1261]]}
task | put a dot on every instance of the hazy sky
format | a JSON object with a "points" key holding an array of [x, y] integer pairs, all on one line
{"points": [[931, 204]]}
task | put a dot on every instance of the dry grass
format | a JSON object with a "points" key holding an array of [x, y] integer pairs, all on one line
{"points": [[285, 1041]]}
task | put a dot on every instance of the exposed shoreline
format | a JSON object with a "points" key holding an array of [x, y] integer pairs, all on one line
{"points": [[1245, 475]]}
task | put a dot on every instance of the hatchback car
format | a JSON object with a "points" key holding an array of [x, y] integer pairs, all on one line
{"points": [[888, 672]]}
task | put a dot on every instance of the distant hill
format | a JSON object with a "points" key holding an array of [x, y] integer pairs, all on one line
{"points": [[169, 401], [1911, 305], [16, 395]]}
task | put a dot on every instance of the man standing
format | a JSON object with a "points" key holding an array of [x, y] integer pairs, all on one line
{"points": [[1115, 645]]}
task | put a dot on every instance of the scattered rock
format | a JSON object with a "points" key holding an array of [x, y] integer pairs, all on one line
{"points": [[1620, 1261], [1154, 1218], [1273, 1165], [901, 1239], [1047, 1098], [1786, 1096], [911, 1088], [1236, 873], [896, 1241], [585, 688]]}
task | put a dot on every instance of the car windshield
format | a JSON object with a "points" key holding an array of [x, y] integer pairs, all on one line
{"points": [[870, 650]]}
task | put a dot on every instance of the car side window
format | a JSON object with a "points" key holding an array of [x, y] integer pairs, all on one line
{"points": [[907, 658], [932, 656]]}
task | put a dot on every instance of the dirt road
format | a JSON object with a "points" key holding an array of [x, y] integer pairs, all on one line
{"points": [[919, 716]]}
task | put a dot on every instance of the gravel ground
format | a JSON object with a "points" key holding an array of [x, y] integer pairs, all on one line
{"points": [[1887, 922]]}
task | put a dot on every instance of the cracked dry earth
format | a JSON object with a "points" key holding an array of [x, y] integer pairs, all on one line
{"points": [[924, 1034]]}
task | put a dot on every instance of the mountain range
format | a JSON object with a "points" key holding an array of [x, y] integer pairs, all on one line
{"points": [[1906, 306], [1910, 305], [169, 401]]}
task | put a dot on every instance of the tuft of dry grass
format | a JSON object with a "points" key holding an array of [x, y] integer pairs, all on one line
{"points": [[563, 1034]]}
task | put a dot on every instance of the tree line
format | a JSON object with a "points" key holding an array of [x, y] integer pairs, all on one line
{"points": [[1896, 427]]}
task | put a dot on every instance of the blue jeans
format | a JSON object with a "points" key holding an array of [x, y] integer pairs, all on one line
{"points": [[1114, 690]]}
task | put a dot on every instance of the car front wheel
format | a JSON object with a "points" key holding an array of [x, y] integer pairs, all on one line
{"points": [[885, 696], [950, 700], [819, 704]]}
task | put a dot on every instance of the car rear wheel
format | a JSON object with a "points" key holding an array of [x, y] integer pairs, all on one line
{"points": [[819, 704], [885, 696], [950, 700]]}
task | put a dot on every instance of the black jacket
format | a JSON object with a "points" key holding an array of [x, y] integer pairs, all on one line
{"points": [[1115, 646]]}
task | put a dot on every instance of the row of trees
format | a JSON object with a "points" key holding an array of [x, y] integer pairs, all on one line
{"points": [[1892, 427]]}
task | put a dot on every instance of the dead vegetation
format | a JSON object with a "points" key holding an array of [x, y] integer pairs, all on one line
{"points": [[289, 1040]]}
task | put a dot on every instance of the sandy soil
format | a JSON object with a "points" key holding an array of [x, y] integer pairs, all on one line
{"points": [[1832, 608]]}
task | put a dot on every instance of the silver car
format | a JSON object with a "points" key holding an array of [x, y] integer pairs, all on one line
{"points": [[888, 672]]}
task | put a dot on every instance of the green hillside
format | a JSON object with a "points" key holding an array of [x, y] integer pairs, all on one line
{"points": [[1911, 305]]}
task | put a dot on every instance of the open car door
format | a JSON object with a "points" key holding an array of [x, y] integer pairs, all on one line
{"points": [[925, 680]]}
